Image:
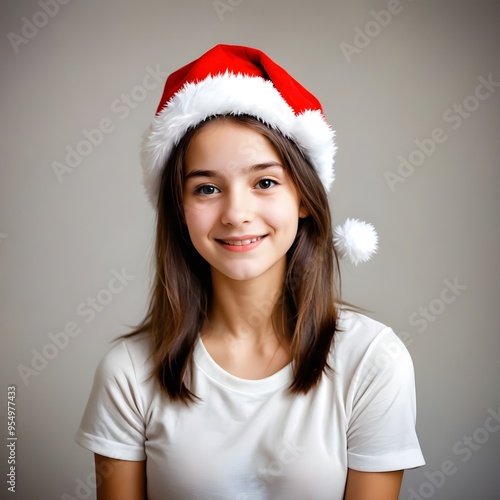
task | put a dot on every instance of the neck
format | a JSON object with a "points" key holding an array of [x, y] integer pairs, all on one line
{"points": [[243, 310]]}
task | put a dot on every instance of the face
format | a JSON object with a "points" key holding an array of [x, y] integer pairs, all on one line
{"points": [[241, 207]]}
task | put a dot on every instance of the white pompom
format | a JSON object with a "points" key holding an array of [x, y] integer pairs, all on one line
{"points": [[356, 240]]}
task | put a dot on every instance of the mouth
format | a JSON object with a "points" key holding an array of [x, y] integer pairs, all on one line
{"points": [[239, 243], [243, 244]]}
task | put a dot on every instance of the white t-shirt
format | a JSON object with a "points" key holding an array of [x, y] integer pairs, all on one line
{"points": [[250, 439]]}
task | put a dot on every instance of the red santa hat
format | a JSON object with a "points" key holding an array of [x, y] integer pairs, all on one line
{"points": [[236, 80]]}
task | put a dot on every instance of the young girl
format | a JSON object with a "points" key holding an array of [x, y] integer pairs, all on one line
{"points": [[248, 379]]}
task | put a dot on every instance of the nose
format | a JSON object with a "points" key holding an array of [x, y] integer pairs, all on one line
{"points": [[237, 208]]}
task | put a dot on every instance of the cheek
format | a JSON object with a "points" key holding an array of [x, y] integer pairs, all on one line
{"points": [[286, 227], [284, 213], [198, 221]]}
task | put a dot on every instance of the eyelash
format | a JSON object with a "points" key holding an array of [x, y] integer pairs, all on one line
{"points": [[199, 189], [269, 180]]}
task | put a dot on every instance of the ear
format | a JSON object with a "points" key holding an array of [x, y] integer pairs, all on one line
{"points": [[303, 212]]}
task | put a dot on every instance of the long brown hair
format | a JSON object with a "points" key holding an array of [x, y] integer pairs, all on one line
{"points": [[305, 314]]}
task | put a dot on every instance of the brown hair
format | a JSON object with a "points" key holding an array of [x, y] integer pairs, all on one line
{"points": [[305, 314]]}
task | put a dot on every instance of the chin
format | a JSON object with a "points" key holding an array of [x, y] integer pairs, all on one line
{"points": [[239, 274]]}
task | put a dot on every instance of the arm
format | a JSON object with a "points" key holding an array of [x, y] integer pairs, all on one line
{"points": [[373, 485], [120, 479]]}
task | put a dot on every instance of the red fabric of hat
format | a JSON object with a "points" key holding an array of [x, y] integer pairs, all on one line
{"points": [[245, 61]]}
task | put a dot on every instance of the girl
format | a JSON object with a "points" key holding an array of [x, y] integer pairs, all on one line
{"points": [[248, 379]]}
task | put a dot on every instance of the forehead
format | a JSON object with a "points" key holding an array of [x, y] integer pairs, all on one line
{"points": [[223, 143]]}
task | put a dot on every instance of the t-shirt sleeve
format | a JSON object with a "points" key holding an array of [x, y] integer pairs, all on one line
{"points": [[113, 422], [381, 432]]}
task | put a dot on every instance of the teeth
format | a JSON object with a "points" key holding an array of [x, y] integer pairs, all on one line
{"points": [[241, 242]]}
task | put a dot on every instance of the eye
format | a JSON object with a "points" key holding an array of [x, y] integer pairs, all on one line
{"points": [[265, 184], [206, 190]]}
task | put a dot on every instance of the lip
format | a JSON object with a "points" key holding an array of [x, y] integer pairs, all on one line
{"points": [[243, 243]]}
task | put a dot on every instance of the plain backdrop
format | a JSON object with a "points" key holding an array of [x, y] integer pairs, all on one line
{"points": [[412, 89]]}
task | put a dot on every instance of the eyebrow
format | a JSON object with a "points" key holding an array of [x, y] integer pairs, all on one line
{"points": [[246, 170]]}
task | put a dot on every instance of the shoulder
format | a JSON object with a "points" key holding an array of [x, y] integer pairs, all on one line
{"points": [[355, 323], [363, 343], [357, 332], [128, 357]]}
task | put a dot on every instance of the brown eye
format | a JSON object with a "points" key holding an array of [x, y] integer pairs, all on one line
{"points": [[206, 190], [265, 184]]}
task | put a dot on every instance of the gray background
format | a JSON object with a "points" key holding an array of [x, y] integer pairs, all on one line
{"points": [[61, 241]]}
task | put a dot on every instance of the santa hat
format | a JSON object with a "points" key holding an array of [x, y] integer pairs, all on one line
{"points": [[236, 80]]}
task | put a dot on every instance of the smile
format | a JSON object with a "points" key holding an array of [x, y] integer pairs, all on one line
{"points": [[244, 245], [241, 242]]}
